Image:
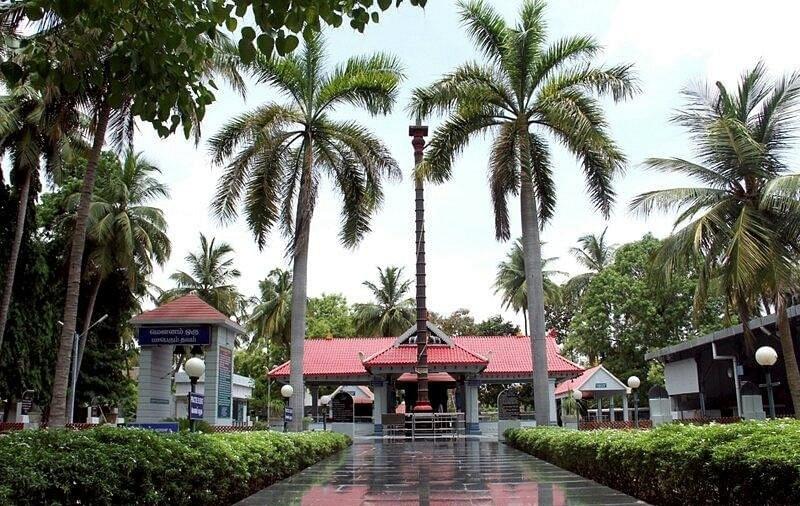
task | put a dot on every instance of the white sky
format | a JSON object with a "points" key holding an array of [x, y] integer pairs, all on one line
{"points": [[671, 43]]}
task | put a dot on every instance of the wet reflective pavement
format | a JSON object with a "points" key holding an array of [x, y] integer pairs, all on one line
{"points": [[428, 473]]}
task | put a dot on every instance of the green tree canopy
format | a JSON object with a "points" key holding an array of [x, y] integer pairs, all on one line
{"points": [[330, 315]]}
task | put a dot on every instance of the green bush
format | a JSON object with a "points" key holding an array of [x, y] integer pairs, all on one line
{"points": [[746, 463], [130, 466]]}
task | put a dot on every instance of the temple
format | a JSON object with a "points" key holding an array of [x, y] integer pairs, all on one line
{"points": [[457, 366]]}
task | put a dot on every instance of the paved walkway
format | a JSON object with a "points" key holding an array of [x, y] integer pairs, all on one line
{"points": [[427, 473]]}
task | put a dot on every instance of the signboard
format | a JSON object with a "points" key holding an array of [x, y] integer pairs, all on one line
{"points": [[288, 414], [156, 427], [195, 406], [224, 384], [174, 335], [601, 385], [27, 402], [342, 407], [508, 404]]}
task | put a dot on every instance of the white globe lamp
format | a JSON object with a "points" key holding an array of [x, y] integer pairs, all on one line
{"points": [[766, 356], [577, 395], [634, 382], [287, 391], [195, 367]]}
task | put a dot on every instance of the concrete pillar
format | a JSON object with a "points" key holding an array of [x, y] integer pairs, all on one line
{"points": [[155, 384], [625, 415], [471, 387], [611, 414], [314, 402], [218, 385], [551, 394], [379, 404]]}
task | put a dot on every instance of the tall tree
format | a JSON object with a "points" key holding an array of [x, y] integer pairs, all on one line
{"points": [[329, 315], [125, 234], [211, 275], [98, 55], [32, 129], [594, 254], [271, 315], [277, 154], [510, 282], [523, 92], [393, 312], [743, 224]]}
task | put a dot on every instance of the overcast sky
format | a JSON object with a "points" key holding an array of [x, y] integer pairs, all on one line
{"points": [[672, 44]]}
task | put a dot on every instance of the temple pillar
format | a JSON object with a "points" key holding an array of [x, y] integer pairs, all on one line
{"points": [[551, 394], [471, 386], [378, 385], [155, 384]]}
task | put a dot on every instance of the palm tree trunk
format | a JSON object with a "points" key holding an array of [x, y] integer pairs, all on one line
{"points": [[532, 251], [787, 348], [11, 268], [58, 401], [299, 288]]}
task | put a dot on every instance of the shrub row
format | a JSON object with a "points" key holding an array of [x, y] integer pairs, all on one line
{"points": [[128, 466], [747, 463]]}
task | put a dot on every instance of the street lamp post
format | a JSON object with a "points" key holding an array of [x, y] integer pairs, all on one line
{"points": [[286, 392], [766, 356], [195, 367], [325, 400], [75, 367], [633, 383], [265, 349]]}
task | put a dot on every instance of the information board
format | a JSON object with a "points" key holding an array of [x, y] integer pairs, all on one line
{"points": [[224, 383], [288, 414], [508, 404], [27, 402], [342, 407], [196, 402], [174, 335]]}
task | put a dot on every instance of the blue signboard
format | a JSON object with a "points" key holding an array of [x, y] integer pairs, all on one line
{"points": [[225, 371], [288, 414], [156, 427], [179, 334], [195, 406]]}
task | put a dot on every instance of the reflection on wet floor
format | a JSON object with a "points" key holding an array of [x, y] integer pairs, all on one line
{"points": [[428, 473]]}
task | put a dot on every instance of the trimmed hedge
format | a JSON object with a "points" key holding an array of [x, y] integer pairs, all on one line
{"points": [[130, 466], [747, 463]]}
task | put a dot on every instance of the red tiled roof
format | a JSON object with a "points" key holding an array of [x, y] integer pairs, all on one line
{"points": [[189, 308], [510, 355], [336, 357], [438, 354], [575, 383]]}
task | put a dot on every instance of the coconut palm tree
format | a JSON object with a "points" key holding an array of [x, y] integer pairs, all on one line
{"points": [[211, 275], [32, 129], [271, 315], [392, 312], [525, 94], [594, 253], [125, 233], [510, 282], [277, 155], [741, 225]]}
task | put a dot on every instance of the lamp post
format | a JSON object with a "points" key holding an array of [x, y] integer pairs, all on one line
{"points": [[194, 367], [766, 356], [265, 349], [286, 392], [325, 400], [633, 383]]}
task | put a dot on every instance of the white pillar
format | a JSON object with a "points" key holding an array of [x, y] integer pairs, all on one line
{"points": [[625, 415], [218, 383], [379, 403], [551, 393], [611, 414], [471, 386], [155, 384]]}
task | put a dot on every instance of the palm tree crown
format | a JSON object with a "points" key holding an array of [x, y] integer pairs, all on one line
{"points": [[526, 93], [594, 253], [211, 275], [392, 313], [270, 316], [741, 228]]}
